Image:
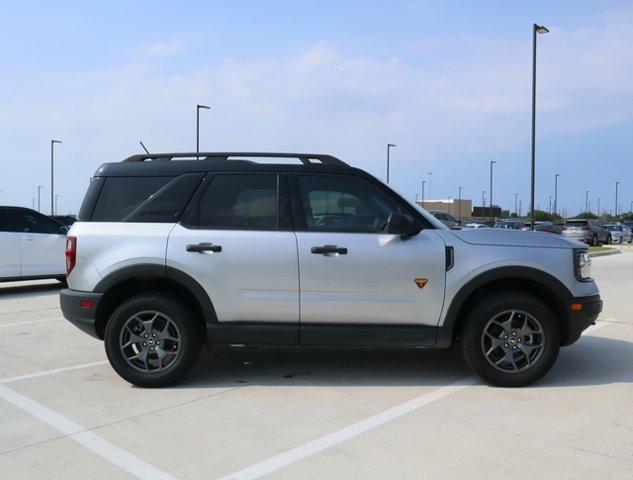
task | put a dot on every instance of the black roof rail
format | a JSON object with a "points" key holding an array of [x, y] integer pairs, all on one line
{"points": [[305, 158]]}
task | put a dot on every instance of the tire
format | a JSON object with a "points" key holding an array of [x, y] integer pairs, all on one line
{"points": [[165, 320], [621, 240], [498, 306], [594, 240]]}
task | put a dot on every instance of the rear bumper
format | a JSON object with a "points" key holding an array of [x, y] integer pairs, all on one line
{"points": [[583, 312], [83, 316]]}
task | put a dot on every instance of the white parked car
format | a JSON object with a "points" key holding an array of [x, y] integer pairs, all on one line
{"points": [[171, 253], [476, 225], [31, 245], [619, 233]]}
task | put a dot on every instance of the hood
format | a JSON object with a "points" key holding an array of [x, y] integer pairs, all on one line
{"points": [[518, 238]]}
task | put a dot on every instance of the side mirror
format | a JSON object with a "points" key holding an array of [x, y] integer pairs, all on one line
{"points": [[402, 224], [63, 230]]}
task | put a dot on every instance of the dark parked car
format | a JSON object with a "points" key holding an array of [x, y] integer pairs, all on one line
{"points": [[511, 224], [588, 231], [446, 218], [544, 226]]}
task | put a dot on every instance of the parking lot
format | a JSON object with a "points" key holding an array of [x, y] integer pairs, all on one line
{"points": [[291, 413]]}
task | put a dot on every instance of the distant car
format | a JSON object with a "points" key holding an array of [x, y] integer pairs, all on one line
{"points": [[589, 231], [31, 245], [628, 223], [620, 233], [476, 225], [446, 218], [511, 224], [544, 226]]}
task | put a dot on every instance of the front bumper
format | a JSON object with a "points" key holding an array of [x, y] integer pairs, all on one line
{"points": [[583, 312], [80, 309]]}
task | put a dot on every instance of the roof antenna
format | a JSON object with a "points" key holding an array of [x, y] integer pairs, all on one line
{"points": [[146, 151]]}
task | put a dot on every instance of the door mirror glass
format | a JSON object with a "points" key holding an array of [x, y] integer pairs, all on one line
{"points": [[402, 224]]}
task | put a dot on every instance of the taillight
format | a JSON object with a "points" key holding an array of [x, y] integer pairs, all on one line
{"points": [[71, 254]]}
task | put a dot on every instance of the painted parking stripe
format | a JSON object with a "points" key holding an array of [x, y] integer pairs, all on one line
{"points": [[122, 459], [52, 372], [291, 456], [29, 322]]}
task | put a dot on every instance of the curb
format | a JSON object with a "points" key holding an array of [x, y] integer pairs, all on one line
{"points": [[604, 253]]}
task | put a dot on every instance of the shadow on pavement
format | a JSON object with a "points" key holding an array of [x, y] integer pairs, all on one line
{"points": [[12, 290], [591, 361]]}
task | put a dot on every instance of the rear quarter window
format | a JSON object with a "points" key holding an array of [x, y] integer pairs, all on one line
{"points": [[120, 196]]}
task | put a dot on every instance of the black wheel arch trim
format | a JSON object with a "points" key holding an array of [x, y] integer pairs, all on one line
{"points": [[161, 271], [445, 331]]}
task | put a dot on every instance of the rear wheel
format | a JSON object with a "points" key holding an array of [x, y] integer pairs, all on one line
{"points": [[151, 340], [510, 339], [594, 240]]}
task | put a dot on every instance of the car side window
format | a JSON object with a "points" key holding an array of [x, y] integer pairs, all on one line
{"points": [[340, 203], [26, 221], [239, 202]]}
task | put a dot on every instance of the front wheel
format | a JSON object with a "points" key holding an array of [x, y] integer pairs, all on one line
{"points": [[510, 339], [594, 240], [151, 340]]}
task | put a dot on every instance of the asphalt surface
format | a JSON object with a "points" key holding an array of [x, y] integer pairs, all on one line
{"points": [[312, 413]]}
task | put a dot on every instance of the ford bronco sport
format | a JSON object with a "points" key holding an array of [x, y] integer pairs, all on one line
{"points": [[170, 252]]}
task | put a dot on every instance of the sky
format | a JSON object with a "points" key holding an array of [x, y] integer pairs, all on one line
{"points": [[448, 82]]}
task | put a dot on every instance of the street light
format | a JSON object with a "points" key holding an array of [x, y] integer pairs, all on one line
{"points": [[541, 30], [430, 173], [586, 200], [423, 183], [459, 204], [53, 142], [198, 107], [556, 193], [449, 204], [389, 145], [516, 212], [616, 198], [492, 162], [39, 189]]}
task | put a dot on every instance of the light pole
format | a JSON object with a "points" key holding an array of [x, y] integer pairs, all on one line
{"points": [[616, 198], [53, 142], [556, 193], [449, 204], [423, 182], [389, 145], [516, 212], [198, 107], [535, 29], [459, 204], [492, 162], [586, 200], [483, 202], [549, 206], [631, 208], [39, 189], [430, 174]]}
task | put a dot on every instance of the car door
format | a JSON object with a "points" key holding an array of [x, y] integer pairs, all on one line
{"points": [[10, 256], [236, 241], [42, 243], [351, 272]]}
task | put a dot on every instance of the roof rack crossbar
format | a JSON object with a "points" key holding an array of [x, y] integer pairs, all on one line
{"points": [[305, 158]]}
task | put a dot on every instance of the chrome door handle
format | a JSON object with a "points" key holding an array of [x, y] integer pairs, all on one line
{"points": [[325, 249]]}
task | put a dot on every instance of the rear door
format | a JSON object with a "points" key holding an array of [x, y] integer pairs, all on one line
{"points": [[351, 272], [42, 244], [10, 257], [236, 241]]}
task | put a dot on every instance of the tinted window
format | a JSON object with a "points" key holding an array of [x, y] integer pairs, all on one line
{"points": [[120, 195], [27, 221], [344, 204], [247, 202], [576, 223], [166, 204]]}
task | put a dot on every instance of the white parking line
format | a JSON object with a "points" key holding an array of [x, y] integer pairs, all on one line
{"points": [[28, 322], [291, 456], [51, 372], [122, 459]]}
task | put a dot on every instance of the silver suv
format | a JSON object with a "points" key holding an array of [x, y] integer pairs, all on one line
{"points": [[170, 253]]}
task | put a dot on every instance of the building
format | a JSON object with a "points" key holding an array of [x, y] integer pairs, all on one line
{"points": [[457, 208]]}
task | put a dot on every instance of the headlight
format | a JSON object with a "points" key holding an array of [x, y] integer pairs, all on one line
{"points": [[582, 265]]}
